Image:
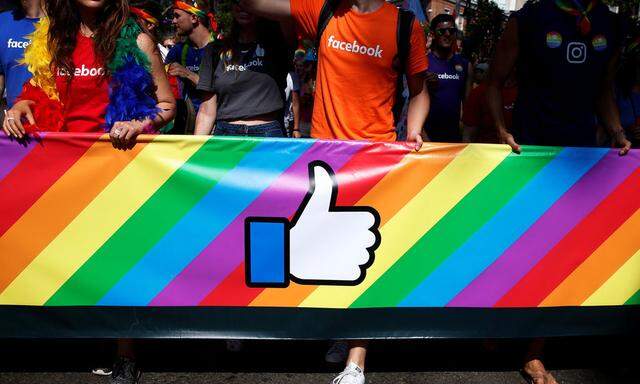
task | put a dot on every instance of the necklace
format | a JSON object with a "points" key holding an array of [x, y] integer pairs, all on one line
{"points": [[85, 31]]}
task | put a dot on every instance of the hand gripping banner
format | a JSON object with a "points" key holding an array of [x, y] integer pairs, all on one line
{"points": [[229, 237]]}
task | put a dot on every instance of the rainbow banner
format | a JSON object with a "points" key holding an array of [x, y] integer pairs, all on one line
{"points": [[302, 224]]}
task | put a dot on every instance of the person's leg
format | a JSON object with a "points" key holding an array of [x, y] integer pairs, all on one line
{"points": [[106, 371], [534, 369], [125, 370], [337, 353], [357, 353], [354, 370]]}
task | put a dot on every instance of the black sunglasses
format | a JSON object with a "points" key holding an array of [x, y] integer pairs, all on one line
{"points": [[443, 31]]}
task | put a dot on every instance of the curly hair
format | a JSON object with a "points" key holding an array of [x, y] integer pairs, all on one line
{"points": [[64, 19]]}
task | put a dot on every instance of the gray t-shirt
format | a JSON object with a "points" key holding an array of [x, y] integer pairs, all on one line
{"points": [[249, 86]]}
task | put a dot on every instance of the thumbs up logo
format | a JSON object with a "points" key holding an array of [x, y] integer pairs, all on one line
{"points": [[322, 245]]}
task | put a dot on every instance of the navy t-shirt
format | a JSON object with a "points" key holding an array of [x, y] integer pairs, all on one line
{"points": [[560, 73], [190, 57], [443, 122], [15, 27]]}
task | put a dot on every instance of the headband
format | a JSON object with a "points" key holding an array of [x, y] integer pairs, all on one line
{"points": [[144, 15], [197, 12]]}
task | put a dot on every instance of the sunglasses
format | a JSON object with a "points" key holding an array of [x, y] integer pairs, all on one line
{"points": [[443, 31]]}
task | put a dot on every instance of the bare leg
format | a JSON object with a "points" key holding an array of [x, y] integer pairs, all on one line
{"points": [[357, 353], [534, 368]]}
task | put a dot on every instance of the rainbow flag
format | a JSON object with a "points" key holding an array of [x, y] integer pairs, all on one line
{"points": [[163, 225]]}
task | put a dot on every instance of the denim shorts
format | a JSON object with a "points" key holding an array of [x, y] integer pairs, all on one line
{"points": [[272, 129]]}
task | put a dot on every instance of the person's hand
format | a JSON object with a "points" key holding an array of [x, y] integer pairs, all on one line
{"points": [[505, 137], [620, 141], [296, 134], [12, 124], [178, 70], [415, 138], [124, 133]]}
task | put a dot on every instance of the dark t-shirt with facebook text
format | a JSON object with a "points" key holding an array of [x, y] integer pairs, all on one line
{"points": [[249, 85]]}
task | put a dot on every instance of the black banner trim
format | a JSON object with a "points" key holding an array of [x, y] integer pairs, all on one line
{"points": [[24, 322]]}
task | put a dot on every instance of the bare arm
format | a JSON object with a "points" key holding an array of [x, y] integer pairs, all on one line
{"points": [[123, 134], [504, 62], [470, 118], [295, 106], [166, 103], [272, 9], [469, 84], [418, 111], [608, 109], [467, 132], [206, 117], [179, 70]]}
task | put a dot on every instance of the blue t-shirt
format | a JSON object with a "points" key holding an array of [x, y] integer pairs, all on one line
{"points": [[13, 41], [443, 123], [190, 57], [560, 73]]}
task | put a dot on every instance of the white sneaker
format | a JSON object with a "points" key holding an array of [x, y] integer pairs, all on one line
{"points": [[351, 375], [101, 371], [337, 353]]}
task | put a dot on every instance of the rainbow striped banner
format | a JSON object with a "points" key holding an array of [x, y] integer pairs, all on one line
{"points": [[163, 225]]}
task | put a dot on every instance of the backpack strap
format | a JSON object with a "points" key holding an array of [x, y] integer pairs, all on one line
{"points": [[403, 41], [326, 14], [403, 37]]}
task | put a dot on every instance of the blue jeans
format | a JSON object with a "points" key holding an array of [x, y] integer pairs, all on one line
{"points": [[272, 129]]}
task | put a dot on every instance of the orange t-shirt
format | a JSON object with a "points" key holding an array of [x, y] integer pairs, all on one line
{"points": [[356, 80]]}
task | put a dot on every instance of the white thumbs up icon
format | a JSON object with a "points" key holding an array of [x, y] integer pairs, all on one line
{"points": [[322, 245]]}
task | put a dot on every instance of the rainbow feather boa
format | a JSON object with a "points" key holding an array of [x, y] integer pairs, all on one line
{"points": [[131, 87]]}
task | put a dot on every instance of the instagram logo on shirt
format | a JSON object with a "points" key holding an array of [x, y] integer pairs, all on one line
{"points": [[354, 47]]}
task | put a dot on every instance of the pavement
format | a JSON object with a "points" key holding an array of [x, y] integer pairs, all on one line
{"points": [[573, 361]]}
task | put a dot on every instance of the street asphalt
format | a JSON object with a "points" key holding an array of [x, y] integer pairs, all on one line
{"points": [[573, 361]]}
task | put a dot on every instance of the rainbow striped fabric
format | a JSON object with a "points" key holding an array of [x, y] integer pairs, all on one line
{"points": [[460, 225]]}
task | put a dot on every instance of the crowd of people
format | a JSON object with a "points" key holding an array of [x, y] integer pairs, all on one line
{"points": [[566, 72]]}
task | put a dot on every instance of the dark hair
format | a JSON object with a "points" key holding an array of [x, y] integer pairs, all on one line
{"points": [[268, 33], [64, 24], [442, 18]]}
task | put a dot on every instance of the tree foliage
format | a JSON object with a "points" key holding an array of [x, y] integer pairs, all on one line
{"points": [[485, 23], [628, 7]]}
